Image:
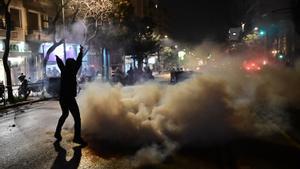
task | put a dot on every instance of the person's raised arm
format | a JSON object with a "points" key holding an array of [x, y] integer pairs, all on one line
{"points": [[60, 63], [79, 58]]}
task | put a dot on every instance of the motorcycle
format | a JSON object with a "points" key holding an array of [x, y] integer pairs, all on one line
{"points": [[23, 90]]}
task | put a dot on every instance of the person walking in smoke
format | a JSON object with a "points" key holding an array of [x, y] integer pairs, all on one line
{"points": [[68, 92]]}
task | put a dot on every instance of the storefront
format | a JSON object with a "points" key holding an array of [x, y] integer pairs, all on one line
{"points": [[152, 62], [17, 60]]}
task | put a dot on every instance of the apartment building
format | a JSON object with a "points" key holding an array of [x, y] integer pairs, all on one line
{"points": [[19, 51], [30, 20]]}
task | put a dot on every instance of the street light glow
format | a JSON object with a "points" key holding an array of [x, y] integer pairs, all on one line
{"points": [[181, 55], [262, 33], [281, 56]]}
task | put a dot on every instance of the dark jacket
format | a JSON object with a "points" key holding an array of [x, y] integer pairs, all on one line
{"points": [[68, 82]]}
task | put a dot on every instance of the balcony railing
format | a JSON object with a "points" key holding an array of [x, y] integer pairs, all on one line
{"points": [[16, 35], [38, 36]]}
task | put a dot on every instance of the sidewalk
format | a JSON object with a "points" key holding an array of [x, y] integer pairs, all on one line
{"points": [[30, 100]]}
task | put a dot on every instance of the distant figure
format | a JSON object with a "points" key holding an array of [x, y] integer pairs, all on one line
{"points": [[173, 78], [130, 76], [119, 75], [148, 73], [23, 90], [68, 92], [2, 91]]}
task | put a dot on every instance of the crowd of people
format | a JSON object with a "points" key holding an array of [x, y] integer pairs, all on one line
{"points": [[134, 75], [178, 75]]}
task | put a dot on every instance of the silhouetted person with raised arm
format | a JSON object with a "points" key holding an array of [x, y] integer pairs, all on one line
{"points": [[68, 92]]}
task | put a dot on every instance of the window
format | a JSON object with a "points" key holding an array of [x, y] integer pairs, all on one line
{"points": [[45, 21], [16, 17], [33, 21]]}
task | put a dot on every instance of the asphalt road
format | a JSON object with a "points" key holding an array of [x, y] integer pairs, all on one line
{"points": [[26, 141]]}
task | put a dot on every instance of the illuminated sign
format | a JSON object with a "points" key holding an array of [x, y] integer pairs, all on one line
{"points": [[71, 51], [15, 47]]}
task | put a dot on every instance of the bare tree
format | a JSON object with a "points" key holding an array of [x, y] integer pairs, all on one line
{"points": [[99, 10], [8, 22], [93, 13]]}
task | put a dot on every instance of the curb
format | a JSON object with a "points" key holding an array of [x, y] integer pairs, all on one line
{"points": [[23, 103]]}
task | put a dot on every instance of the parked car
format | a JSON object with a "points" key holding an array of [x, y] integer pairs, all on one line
{"points": [[179, 76]]}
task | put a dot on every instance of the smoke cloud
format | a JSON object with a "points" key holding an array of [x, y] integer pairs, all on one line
{"points": [[214, 107]]}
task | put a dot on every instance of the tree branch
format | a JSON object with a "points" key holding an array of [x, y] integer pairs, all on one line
{"points": [[75, 15], [51, 49], [8, 2]]}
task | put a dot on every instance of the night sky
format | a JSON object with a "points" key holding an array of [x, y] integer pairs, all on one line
{"points": [[193, 21]]}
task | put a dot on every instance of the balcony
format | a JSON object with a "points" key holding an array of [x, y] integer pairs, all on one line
{"points": [[40, 5], [38, 36], [16, 35]]}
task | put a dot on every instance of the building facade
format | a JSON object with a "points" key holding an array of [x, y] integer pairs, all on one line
{"points": [[19, 50], [273, 23], [30, 39]]}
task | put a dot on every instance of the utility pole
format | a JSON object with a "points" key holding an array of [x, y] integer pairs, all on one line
{"points": [[63, 19]]}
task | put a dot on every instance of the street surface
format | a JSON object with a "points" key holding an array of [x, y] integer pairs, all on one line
{"points": [[26, 142]]}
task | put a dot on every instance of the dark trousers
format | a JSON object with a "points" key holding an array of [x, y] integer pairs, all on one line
{"points": [[69, 104]]}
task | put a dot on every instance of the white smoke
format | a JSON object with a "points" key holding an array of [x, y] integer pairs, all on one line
{"points": [[153, 154], [209, 108]]}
